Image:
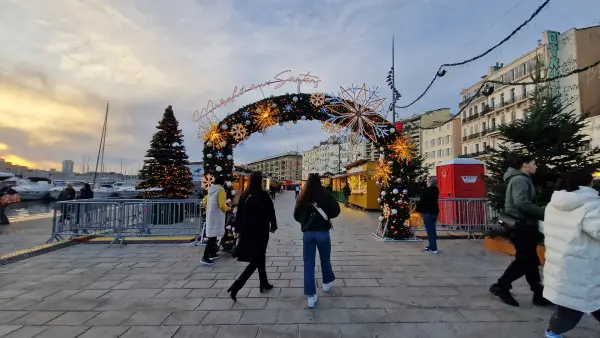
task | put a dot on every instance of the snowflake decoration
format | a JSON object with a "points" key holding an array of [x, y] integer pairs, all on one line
{"points": [[246, 114], [239, 132], [386, 211], [219, 155], [207, 181], [288, 108], [331, 128], [358, 111], [266, 116], [324, 110], [317, 99], [403, 148]]}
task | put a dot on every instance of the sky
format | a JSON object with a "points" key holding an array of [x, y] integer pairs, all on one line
{"points": [[62, 60]]}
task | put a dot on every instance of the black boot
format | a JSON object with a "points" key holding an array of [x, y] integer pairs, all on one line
{"points": [[539, 300], [504, 295], [265, 286], [233, 290]]}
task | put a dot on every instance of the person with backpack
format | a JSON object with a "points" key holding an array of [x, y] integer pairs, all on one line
{"points": [[524, 216], [572, 240], [254, 220], [216, 207], [315, 208]]}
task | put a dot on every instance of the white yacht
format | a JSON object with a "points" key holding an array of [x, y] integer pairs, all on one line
{"points": [[105, 190], [126, 189], [32, 191]]}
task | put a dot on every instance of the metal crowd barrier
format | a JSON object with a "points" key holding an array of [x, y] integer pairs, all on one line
{"points": [[118, 218], [474, 216]]}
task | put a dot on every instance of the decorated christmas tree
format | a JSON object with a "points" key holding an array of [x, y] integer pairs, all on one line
{"points": [[553, 135], [165, 174]]}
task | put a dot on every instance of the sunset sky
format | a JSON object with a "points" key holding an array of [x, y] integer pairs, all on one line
{"points": [[62, 60]]}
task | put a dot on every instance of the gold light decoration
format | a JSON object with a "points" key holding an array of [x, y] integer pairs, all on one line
{"points": [[266, 116], [383, 173], [386, 211], [357, 110], [207, 181], [239, 132], [213, 135], [317, 99], [415, 220], [331, 127], [403, 148]]}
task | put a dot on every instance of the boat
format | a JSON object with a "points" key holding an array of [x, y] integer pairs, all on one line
{"points": [[126, 189], [105, 190], [33, 191]]}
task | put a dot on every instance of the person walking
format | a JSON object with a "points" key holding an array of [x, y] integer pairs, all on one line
{"points": [[518, 204], [216, 207], [68, 194], [572, 240], [254, 220], [429, 209], [297, 189], [315, 208]]}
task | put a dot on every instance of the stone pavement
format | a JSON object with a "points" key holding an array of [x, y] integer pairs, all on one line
{"points": [[382, 290]]}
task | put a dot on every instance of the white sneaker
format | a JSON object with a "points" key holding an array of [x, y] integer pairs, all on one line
{"points": [[312, 301], [327, 286]]}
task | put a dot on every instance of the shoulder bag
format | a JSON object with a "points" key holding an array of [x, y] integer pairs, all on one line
{"points": [[234, 250], [507, 221], [322, 213]]}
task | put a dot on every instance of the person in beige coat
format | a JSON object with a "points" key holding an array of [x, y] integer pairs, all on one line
{"points": [[572, 240]]}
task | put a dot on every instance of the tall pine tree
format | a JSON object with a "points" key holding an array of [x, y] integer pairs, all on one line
{"points": [[552, 134], [165, 174]]}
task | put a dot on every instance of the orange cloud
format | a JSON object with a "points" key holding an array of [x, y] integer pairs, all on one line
{"points": [[3, 146], [16, 160]]}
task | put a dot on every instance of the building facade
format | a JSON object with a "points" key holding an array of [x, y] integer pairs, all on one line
{"points": [[67, 167], [441, 143], [413, 126], [555, 54], [286, 166], [334, 154]]}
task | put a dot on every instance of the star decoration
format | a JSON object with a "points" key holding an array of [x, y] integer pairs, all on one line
{"points": [[219, 155], [213, 135], [288, 108], [324, 110], [207, 181], [266, 116], [403, 148], [383, 174], [358, 111], [317, 99], [239, 132], [246, 114]]}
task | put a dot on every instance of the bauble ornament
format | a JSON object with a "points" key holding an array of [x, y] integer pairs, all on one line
{"points": [[208, 155], [295, 99], [218, 168], [224, 127], [395, 191], [383, 193], [394, 211]]}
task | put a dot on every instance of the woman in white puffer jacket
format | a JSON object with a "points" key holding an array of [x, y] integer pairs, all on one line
{"points": [[572, 239]]}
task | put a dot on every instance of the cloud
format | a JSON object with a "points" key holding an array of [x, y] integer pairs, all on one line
{"points": [[70, 57]]}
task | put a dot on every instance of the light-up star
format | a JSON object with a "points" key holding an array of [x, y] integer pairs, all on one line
{"points": [[358, 111], [288, 108], [219, 155], [324, 110], [246, 114]]}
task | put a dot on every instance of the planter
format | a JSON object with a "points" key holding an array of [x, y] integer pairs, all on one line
{"points": [[503, 245]]}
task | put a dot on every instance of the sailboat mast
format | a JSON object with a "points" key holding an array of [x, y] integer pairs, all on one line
{"points": [[101, 146]]}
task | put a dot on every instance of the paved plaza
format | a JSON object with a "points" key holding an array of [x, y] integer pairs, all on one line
{"points": [[382, 290]]}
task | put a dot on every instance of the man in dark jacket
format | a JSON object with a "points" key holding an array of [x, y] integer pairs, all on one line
{"points": [[518, 203], [429, 209], [68, 194]]}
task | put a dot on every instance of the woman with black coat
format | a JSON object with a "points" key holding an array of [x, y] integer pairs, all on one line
{"points": [[254, 220], [314, 210]]}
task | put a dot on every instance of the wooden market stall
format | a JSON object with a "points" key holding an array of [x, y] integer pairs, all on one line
{"points": [[241, 179], [339, 181], [363, 187]]}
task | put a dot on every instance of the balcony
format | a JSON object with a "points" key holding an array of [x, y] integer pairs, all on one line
{"points": [[473, 136], [476, 154], [492, 130], [485, 110], [472, 117], [469, 99]]}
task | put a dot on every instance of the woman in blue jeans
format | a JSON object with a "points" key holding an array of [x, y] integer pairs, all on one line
{"points": [[315, 207], [429, 209]]}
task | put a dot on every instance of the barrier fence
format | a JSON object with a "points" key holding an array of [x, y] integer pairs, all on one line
{"points": [[118, 218], [473, 216]]}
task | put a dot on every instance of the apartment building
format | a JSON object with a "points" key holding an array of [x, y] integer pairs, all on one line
{"points": [[413, 125], [285, 166], [333, 154], [441, 143], [556, 54]]}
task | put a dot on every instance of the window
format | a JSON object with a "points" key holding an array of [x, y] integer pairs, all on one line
{"points": [[476, 129], [447, 151], [502, 100], [484, 146], [477, 147], [465, 151], [471, 130], [511, 75], [464, 115], [513, 116], [447, 139], [475, 110], [433, 154], [470, 112], [483, 107], [439, 153], [482, 126], [465, 132], [439, 141], [494, 123], [493, 103], [524, 91], [513, 97], [502, 119]]}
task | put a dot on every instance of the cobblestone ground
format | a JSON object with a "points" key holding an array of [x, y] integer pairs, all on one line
{"points": [[382, 290]]}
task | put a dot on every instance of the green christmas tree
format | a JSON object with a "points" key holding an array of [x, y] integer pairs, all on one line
{"points": [[165, 174], [553, 135]]}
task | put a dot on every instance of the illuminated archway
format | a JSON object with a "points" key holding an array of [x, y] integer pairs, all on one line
{"points": [[355, 110]]}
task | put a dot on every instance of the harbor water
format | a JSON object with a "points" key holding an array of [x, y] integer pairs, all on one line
{"points": [[29, 209]]}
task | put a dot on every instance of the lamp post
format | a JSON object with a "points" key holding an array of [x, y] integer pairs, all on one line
{"points": [[391, 82]]}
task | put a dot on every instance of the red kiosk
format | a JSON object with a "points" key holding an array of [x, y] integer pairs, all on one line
{"points": [[460, 181]]}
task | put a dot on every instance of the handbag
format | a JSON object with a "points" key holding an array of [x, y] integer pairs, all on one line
{"points": [[322, 213], [234, 250], [507, 221]]}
